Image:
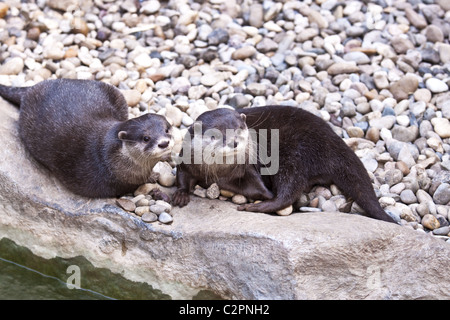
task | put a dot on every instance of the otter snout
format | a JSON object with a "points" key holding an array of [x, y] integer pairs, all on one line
{"points": [[233, 144], [164, 144]]}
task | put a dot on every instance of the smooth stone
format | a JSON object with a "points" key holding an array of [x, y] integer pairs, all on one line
{"points": [[126, 204], [434, 34], [149, 217], [357, 56], [158, 208], [12, 66], [383, 122], [381, 80], [256, 15], [150, 7], [404, 87], [213, 192], [415, 18], [408, 197], [441, 127], [142, 210], [3, 10], [243, 53], [257, 89], [143, 60], [239, 199], [404, 134], [422, 95], [442, 194], [132, 97], [430, 222], [340, 68], [436, 85], [286, 211], [442, 231], [165, 218]]}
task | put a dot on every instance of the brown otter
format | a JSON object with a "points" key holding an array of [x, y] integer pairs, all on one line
{"points": [[309, 153], [209, 132], [79, 130]]}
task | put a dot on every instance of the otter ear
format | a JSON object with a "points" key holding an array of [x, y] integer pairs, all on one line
{"points": [[243, 116], [122, 135]]}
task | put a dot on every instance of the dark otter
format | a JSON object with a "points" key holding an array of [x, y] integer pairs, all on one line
{"points": [[309, 153], [209, 132], [80, 131]]}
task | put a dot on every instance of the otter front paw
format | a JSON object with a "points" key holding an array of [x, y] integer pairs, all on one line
{"points": [[180, 198], [247, 207], [157, 194]]}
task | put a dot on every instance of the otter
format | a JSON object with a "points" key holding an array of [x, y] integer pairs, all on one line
{"points": [[309, 153], [79, 130], [217, 148]]}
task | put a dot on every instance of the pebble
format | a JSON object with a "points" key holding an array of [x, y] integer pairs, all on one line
{"points": [[436, 85], [244, 53], [404, 87], [441, 127], [286, 211], [140, 211], [239, 199], [132, 97], [149, 217], [12, 66], [166, 177], [339, 68], [442, 231], [430, 222], [442, 194], [213, 192], [3, 10], [126, 205], [408, 197], [165, 218]]}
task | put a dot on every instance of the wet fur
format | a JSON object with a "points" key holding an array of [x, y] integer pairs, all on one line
{"points": [[72, 128], [310, 153], [239, 178]]}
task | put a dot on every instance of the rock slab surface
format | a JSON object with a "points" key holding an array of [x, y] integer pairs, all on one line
{"points": [[212, 246]]}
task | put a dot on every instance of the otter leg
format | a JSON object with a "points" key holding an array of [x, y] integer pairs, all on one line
{"points": [[268, 206], [250, 185], [185, 184], [286, 193]]}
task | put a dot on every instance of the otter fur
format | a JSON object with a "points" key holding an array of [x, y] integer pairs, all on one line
{"points": [[80, 131], [309, 152]]}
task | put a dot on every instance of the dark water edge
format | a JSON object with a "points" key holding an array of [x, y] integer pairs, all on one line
{"points": [[25, 276]]}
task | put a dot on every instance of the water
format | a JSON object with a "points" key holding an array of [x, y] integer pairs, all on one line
{"points": [[24, 275]]}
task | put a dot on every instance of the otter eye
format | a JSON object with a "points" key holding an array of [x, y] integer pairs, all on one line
{"points": [[167, 130], [146, 138]]}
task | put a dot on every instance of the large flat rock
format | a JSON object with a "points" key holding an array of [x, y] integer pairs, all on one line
{"points": [[212, 246]]}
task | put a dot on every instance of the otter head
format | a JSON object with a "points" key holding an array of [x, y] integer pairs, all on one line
{"points": [[146, 139], [221, 135]]}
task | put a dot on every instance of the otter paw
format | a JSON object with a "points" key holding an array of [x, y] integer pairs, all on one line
{"points": [[246, 207], [157, 194], [180, 198]]}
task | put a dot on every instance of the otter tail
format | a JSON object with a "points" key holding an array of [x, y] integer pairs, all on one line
{"points": [[356, 184], [13, 94]]}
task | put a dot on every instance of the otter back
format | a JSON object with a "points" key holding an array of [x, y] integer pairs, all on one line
{"points": [[72, 128]]}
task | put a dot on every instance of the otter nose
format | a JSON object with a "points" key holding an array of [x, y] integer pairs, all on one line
{"points": [[163, 144], [233, 144]]}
